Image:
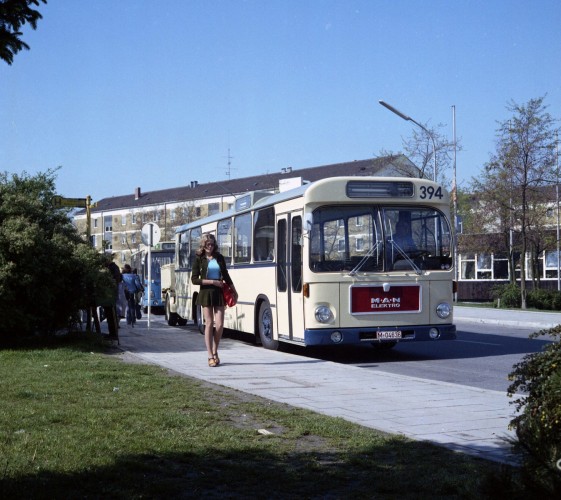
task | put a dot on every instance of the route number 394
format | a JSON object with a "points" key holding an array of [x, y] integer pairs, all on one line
{"points": [[429, 192]]}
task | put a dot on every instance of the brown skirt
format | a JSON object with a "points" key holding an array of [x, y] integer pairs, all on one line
{"points": [[210, 295]]}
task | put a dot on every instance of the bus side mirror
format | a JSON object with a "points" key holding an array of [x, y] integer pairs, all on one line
{"points": [[308, 220]]}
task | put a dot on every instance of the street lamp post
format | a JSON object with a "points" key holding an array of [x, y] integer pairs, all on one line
{"points": [[409, 119], [557, 202]]}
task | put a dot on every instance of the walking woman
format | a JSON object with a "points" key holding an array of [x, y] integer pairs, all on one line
{"points": [[209, 271]]}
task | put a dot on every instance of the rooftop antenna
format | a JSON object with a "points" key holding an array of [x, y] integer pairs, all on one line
{"points": [[229, 171]]}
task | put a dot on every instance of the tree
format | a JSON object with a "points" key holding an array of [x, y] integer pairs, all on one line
{"points": [[511, 186], [47, 271], [419, 149], [14, 14]]}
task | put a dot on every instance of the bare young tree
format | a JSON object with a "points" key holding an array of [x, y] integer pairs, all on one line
{"points": [[419, 148], [511, 186]]}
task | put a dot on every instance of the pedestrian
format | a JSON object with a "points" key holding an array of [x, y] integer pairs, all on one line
{"points": [[210, 272], [110, 309], [132, 286], [139, 295], [121, 298]]}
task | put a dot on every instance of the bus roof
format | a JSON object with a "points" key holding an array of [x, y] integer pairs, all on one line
{"points": [[260, 199], [249, 201]]}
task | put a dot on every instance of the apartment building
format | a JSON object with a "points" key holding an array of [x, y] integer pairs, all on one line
{"points": [[116, 222]]}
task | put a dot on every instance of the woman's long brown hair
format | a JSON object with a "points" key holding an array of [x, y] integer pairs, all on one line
{"points": [[207, 237]]}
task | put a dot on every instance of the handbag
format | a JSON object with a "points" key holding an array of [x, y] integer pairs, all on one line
{"points": [[229, 296]]}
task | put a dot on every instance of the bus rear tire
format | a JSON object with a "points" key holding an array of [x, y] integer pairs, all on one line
{"points": [[199, 318], [265, 327], [171, 318]]}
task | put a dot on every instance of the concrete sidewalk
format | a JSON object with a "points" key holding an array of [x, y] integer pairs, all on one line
{"points": [[461, 418], [507, 317]]}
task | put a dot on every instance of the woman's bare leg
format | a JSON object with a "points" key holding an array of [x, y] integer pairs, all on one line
{"points": [[218, 326], [209, 329]]}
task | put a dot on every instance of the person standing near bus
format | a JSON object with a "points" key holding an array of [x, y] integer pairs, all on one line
{"points": [[210, 272], [132, 286], [109, 306]]}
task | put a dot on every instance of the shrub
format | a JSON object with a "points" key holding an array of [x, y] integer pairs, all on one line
{"points": [[556, 301], [506, 296], [540, 299], [47, 270], [536, 384]]}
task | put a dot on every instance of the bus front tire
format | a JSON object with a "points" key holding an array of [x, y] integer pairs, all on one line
{"points": [[265, 327]]}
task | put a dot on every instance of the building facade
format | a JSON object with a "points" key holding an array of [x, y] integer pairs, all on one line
{"points": [[116, 222]]}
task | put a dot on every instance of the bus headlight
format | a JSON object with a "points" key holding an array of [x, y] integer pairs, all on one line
{"points": [[323, 314], [443, 310]]}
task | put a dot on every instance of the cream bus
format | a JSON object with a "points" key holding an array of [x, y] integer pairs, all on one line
{"points": [[343, 260]]}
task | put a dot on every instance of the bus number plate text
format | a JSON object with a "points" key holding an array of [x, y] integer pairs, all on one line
{"points": [[388, 335]]}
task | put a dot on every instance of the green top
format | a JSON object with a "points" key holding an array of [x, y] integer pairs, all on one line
{"points": [[200, 268]]}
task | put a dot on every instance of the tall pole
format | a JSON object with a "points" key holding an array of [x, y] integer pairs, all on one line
{"points": [[409, 119], [557, 201], [455, 198], [511, 219], [88, 219], [149, 290]]}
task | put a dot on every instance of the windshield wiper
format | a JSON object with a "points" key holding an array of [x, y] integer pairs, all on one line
{"points": [[416, 268], [364, 259]]}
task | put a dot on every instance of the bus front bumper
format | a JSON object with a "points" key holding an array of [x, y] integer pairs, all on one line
{"points": [[415, 333]]}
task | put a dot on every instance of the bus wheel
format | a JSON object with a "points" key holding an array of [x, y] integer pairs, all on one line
{"points": [[265, 325], [171, 318]]}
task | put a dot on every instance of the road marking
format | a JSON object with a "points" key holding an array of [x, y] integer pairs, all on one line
{"points": [[473, 342]]}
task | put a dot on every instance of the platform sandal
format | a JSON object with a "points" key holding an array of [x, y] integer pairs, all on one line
{"points": [[212, 362], [216, 358]]}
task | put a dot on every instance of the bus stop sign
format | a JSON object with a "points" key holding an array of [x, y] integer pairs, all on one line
{"points": [[150, 234]]}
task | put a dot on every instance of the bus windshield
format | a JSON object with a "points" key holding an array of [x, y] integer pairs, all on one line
{"points": [[159, 259], [379, 239]]}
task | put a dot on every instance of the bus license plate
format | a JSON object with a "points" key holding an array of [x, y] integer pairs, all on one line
{"points": [[388, 335]]}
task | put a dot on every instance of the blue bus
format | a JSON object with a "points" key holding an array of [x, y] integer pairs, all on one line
{"points": [[163, 253]]}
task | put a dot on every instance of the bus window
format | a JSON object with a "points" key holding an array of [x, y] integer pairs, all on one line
{"points": [[297, 254], [417, 238], [224, 239], [281, 256], [346, 238], [159, 259], [263, 237], [183, 256], [242, 249], [196, 235]]}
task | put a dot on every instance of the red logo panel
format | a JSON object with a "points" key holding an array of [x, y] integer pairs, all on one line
{"points": [[373, 299]]}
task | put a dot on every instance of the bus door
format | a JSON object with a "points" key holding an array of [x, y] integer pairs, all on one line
{"points": [[290, 307]]}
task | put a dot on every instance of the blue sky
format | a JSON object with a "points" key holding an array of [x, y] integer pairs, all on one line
{"points": [[133, 93]]}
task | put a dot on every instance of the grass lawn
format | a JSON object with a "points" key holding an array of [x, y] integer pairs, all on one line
{"points": [[78, 422]]}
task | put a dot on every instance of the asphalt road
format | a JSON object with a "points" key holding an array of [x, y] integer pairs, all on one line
{"points": [[482, 356]]}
